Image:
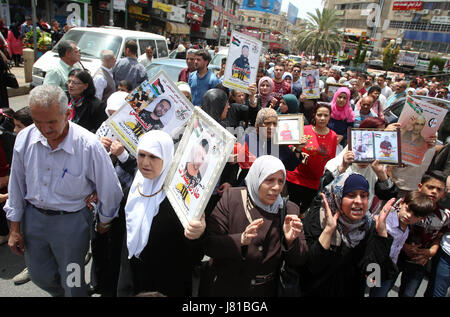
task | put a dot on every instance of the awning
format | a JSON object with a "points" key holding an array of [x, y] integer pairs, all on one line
{"points": [[177, 28]]}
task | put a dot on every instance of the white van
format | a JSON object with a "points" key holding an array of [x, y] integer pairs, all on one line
{"points": [[92, 40]]}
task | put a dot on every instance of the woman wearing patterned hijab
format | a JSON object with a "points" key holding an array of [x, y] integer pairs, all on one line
{"points": [[344, 241], [246, 239]]}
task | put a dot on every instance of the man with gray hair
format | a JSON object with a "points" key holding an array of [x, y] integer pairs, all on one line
{"points": [[57, 164], [103, 78], [70, 55]]}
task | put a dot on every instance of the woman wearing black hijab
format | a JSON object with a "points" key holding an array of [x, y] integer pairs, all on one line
{"points": [[215, 103]]}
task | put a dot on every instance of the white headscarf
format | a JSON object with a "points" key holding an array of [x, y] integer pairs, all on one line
{"points": [[115, 101], [140, 210], [261, 168]]}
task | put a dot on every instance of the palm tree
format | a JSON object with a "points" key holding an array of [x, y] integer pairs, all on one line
{"points": [[320, 33]]}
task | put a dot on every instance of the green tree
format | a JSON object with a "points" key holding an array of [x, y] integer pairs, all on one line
{"points": [[363, 56], [320, 33], [438, 61], [358, 53], [390, 56]]}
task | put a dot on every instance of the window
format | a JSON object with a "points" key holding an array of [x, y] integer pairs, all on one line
{"points": [[356, 6], [143, 44], [162, 48]]}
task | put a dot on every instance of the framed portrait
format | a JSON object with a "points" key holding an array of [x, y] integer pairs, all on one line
{"points": [[419, 119], [289, 129], [156, 104], [369, 145], [330, 89], [198, 163], [310, 83], [242, 62]]}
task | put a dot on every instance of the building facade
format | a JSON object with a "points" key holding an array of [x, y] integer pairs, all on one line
{"points": [[272, 29], [422, 26], [195, 20]]}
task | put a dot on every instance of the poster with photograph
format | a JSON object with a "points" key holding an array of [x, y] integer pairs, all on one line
{"points": [[156, 104], [242, 62], [198, 163], [362, 145], [419, 119], [369, 145], [331, 89], [310, 83], [289, 129]]}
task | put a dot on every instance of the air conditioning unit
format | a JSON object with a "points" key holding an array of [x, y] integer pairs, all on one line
{"points": [[407, 14], [426, 11], [437, 11]]}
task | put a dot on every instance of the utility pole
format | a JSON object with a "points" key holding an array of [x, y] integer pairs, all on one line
{"points": [[33, 16], [111, 12]]}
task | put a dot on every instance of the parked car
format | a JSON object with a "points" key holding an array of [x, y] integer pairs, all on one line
{"points": [[171, 66], [216, 62], [392, 113], [92, 41]]}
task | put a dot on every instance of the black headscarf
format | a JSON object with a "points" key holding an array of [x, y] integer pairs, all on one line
{"points": [[14, 28], [213, 103]]}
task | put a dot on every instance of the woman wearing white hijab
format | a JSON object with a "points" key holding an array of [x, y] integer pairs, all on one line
{"points": [[245, 237], [160, 252]]}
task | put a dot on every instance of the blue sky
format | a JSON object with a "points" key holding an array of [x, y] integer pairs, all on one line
{"points": [[303, 6]]}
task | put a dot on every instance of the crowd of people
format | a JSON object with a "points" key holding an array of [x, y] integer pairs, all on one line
{"points": [[308, 206]]}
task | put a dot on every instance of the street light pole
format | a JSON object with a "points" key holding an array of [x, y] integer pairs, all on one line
{"points": [[111, 12], [33, 14]]}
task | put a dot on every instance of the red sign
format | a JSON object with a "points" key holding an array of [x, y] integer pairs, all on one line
{"points": [[195, 8], [275, 45], [407, 5]]}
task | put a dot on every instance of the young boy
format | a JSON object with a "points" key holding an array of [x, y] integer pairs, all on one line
{"points": [[423, 240], [411, 209]]}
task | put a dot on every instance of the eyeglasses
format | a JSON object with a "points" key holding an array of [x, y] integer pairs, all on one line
{"points": [[71, 82], [296, 71]]}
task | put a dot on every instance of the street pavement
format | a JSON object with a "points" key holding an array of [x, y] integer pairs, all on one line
{"points": [[11, 264]]}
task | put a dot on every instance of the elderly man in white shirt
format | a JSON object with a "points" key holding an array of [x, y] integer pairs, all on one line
{"points": [[56, 165], [103, 79], [146, 58]]}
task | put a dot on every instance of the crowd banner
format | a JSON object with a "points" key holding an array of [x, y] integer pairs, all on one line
{"points": [[156, 104], [310, 83], [198, 163], [242, 62], [419, 119]]}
